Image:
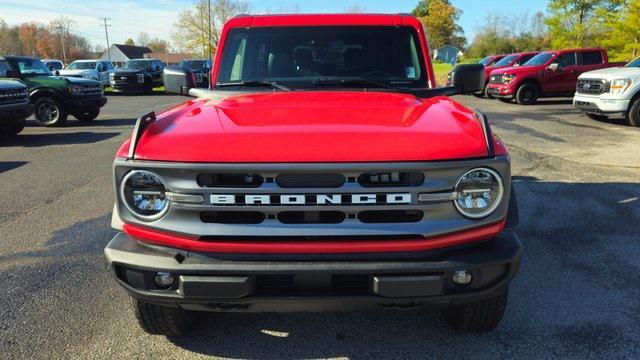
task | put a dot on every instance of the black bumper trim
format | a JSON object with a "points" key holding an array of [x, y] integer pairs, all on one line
{"points": [[209, 280], [85, 103], [23, 109]]}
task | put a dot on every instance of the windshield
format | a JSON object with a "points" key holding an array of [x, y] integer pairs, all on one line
{"points": [[634, 63], [81, 66], [28, 66], [195, 64], [539, 59], [506, 60], [137, 65], [301, 56]]}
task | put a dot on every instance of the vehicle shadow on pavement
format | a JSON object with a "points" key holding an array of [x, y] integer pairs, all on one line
{"points": [[574, 296], [10, 165], [46, 139]]}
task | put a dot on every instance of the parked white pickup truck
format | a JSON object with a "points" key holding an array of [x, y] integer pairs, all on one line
{"points": [[90, 69], [606, 92]]}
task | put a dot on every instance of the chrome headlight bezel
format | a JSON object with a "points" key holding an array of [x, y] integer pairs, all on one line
{"points": [[128, 202], [495, 203]]}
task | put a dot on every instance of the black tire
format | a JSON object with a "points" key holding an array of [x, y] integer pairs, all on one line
{"points": [[164, 320], [504, 100], [527, 94], [486, 93], [482, 316], [12, 128], [597, 117], [88, 116], [633, 115], [148, 88], [49, 111]]}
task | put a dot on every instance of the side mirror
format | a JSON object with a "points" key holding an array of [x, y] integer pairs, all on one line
{"points": [[553, 67], [56, 73], [468, 78]]}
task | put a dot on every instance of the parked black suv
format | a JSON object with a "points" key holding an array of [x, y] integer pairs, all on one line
{"points": [[14, 107], [138, 76], [54, 97]]}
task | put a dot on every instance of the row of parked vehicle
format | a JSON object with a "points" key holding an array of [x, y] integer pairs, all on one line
{"points": [[50, 92], [600, 88]]}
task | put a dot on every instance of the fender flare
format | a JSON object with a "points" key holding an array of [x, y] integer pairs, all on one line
{"points": [[45, 92]]}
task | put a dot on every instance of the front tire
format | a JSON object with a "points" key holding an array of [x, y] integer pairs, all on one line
{"points": [[88, 116], [49, 111], [481, 316], [633, 115], [527, 94], [505, 100], [12, 128], [164, 320]]}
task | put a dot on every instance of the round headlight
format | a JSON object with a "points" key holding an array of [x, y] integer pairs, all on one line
{"points": [[143, 193], [478, 193]]}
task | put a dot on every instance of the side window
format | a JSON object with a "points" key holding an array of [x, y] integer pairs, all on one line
{"points": [[565, 60], [525, 58], [101, 67], [236, 69], [591, 58]]}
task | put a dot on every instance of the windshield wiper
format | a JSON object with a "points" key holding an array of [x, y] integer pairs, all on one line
{"points": [[355, 81], [272, 84]]}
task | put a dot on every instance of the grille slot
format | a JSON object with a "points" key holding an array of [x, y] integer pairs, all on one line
{"points": [[390, 216], [232, 217], [292, 284], [389, 179], [230, 180], [310, 180], [593, 87], [311, 217]]}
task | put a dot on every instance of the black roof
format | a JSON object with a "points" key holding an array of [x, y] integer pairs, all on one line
{"points": [[132, 51]]}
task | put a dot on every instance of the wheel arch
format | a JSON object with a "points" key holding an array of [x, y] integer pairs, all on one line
{"points": [[38, 93], [529, 80]]}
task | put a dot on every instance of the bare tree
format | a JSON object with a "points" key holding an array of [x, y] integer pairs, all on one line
{"points": [[191, 31]]}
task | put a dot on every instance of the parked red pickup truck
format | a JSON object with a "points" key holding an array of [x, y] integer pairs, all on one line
{"points": [[516, 59], [324, 170], [551, 73]]}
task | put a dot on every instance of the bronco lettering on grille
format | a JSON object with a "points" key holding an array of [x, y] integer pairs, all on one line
{"points": [[311, 199]]}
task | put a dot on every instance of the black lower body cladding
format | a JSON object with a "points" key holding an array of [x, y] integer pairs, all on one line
{"points": [[283, 283], [84, 104], [15, 111]]}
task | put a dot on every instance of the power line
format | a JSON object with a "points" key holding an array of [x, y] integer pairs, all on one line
{"points": [[106, 33]]}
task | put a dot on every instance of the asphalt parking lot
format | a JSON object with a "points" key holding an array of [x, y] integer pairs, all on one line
{"points": [[576, 296]]}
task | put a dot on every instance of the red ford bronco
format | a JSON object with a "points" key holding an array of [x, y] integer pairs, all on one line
{"points": [[323, 171]]}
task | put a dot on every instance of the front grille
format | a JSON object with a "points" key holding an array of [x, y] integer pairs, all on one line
{"points": [[311, 217], [388, 179], [13, 96], [328, 180], [390, 216], [592, 86], [232, 217], [229, 180], [495, 79], [89, 90], [129, 79]]}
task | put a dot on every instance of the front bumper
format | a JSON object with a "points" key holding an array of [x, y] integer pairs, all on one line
{"points": [[500, 91], [16, 111], [598, 105], [282, 283], [77, 104]]}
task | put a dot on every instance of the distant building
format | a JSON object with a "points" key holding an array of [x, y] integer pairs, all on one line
{"points": [[446, 53], [168, 58], [121, 53]]}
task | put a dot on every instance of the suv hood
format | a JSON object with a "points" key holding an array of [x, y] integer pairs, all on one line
{"points": [[312, 126], [59, 82], [130, 71], [611, 73], [76, 72]]}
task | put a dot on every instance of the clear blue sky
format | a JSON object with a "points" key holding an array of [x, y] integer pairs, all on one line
{"points": [[130, 17]]}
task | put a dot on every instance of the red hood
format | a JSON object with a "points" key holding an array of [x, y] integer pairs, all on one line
{"points": [[314, 127]]}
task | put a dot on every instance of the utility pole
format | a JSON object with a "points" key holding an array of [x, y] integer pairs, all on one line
{"points": [[209, 13], [63, 32], [106, 33]]}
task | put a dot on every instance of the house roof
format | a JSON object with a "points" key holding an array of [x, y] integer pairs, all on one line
{"points": [[132, 51], [170, 58]]}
